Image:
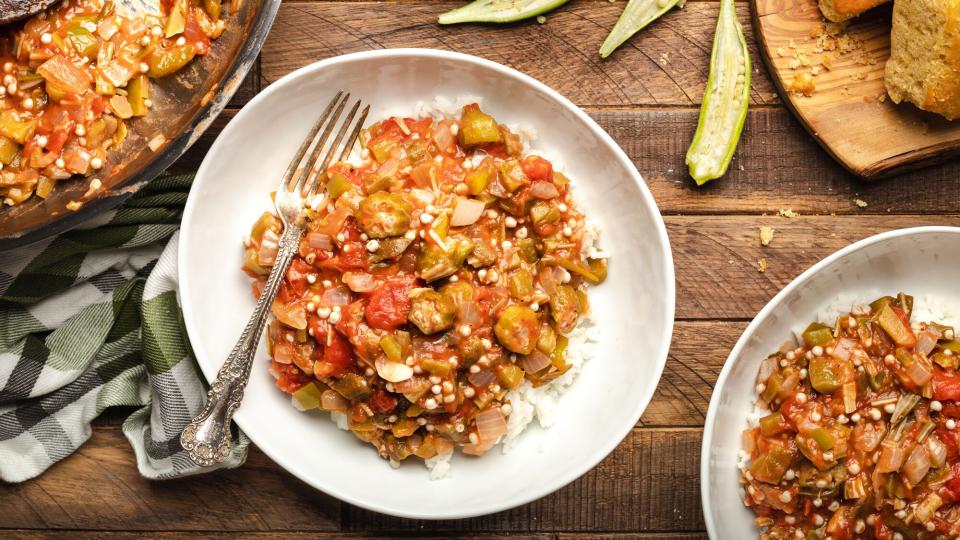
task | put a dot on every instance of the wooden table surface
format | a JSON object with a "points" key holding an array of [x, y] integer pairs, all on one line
{"points": [[647, 97]]}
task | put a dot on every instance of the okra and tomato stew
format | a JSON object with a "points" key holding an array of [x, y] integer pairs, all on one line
{"points": [[444, 271], [860, 438], [73, 74]]}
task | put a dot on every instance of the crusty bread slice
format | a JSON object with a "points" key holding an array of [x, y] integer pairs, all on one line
{"points": [[842, 10], [924, 64]]}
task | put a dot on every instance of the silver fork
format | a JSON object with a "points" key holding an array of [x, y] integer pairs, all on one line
{"points": [[207, 437]]}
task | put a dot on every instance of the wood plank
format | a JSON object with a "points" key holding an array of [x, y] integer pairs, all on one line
{"points": [[648, 484], [23, 534], [696, 356], [666, 64], [782, 168], [716, 256], [258, 496]]}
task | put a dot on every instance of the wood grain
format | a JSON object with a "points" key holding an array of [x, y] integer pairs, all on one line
{"points": [[666, 64], [849, 113], [615, 496], [782, 168]]}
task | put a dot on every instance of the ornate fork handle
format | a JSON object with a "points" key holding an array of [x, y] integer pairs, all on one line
{"points": [[207, 437]]}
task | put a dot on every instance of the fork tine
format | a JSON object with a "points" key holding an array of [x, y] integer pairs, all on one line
{"points": [[355, 134], [317, 171], [320, 143], [305, 145]]}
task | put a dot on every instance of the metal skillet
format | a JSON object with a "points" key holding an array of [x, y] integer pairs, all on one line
{"points": [[184, 106]]}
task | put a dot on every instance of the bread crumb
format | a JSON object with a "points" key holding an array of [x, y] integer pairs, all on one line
{"points": [[766, 235], [802, 84], [860, 202], [762, 265], [788, 213], [73, 206], [781, 52], [541, 19]]}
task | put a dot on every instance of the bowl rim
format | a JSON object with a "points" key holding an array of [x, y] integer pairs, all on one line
{"points": [[646, 197], [732, 358]]}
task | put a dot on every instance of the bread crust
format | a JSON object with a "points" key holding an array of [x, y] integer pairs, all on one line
{"points": [[842, 10], [929, 84]]}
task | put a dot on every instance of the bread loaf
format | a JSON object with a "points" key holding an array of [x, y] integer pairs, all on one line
{"points": [[924, 64], [841, 10]]}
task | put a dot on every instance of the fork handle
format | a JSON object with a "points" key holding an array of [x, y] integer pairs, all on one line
{"points": [[207, 437]]}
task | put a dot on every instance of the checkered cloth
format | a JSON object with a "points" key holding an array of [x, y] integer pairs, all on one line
{"points": [[90, 320]]}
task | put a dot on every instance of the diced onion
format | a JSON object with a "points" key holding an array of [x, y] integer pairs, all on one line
{"points": [[938, 451], [467, 212], [544, 190], [917, 465], [414, 387], [393, 371], [292, 315], [550, 277], [891, 458], [319, 241], [330, 400], [919, 372], [389, 167], [268, 248], [468, 313], [767, 367], [444, 138], [927, 340], [335, 296], [481, 379], [534, 362], [283, 353], [849, 397], [843, 349], [491, 425], [359, 281]]}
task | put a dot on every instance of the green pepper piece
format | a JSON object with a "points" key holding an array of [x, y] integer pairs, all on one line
{"points": [[557, 356], [483, 255], [823, 376], [565, 308], [547, 341], [512, 176], [432, 312], [164, 62], [542, 213], [518, 329], [944, 361], [471, 349], [824, 439], [478, 179], [352, 386], [772, 387], [176, 20], [441, 368], [418, 151], [16, 128], [900, 333], [498, 11], [952, 346], [8, 150], [510, 375], [598, 271], [391, 348], [384, 214], [817, 334], [373, 183], [212, 7], [528, 250], [773, 424], [404, 427], [308, 397], [338, 184], [83, 41], [435, 263], [724, 107], [477, 128], [382, 149], [770, 467], [521, 284], [138, 92]]}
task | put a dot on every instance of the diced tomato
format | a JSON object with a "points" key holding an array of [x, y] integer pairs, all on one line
{"points": [[946, 385], [338, 354], [296, 276], [382, 401], [953, 485], [949, 440], [389, 304], [319, 327], [291, 378], [881, 531], [353, 259], [537, 168]]}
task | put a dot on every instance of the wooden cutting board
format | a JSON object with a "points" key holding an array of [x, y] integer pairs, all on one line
{"points": [[848, 113]]}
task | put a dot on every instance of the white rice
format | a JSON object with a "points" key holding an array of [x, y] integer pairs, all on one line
{"points": [[528, 403]]}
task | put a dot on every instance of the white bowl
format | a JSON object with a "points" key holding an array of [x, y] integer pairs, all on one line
{"points": [[919, 261], [635, 305]]}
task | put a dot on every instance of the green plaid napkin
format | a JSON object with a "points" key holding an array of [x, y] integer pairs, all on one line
{"points": [[90, 320]]}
